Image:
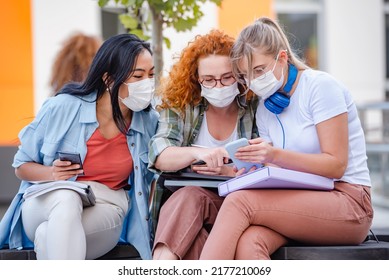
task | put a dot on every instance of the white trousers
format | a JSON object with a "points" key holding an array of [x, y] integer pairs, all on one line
{"points": [[62, 229]]}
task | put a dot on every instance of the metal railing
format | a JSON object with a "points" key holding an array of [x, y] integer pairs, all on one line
{"points": [[377, 146]]}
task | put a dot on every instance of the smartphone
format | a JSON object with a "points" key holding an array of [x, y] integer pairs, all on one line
{"points": [[231, 149], [200, 162], [74, 158]]}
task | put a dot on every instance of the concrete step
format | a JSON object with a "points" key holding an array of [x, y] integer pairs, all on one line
{"points": [[120, 252]]}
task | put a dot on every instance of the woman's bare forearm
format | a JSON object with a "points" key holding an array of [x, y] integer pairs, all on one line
{"points": [[175, 158], [32, 171]]}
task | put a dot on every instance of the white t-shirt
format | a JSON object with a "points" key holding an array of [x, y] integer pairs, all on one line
{"points": [[206, 139], [317, 97]]}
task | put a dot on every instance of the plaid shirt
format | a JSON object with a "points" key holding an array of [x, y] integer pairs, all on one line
{"points": [[181, 130]]}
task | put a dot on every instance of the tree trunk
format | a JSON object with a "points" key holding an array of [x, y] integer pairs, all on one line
{"points": [[157, 44]]}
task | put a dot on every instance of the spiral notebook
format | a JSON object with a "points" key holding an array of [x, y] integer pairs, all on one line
{"points": [[270, 177]]}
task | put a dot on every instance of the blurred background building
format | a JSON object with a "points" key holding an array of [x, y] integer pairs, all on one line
{"points": [[348, 38]]}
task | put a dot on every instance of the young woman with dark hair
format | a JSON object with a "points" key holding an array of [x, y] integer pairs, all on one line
{"points": [[107, 119]]}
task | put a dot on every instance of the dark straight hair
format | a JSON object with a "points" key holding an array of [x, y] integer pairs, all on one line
{"points": [[113, 64]]}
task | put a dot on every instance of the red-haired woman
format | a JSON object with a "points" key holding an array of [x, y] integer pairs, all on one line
{"points": [[73, 60], [202, 105]]}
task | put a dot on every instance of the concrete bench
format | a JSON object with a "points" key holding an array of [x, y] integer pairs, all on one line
{"points": [[371, 249], [376, 247], [120, 252]]}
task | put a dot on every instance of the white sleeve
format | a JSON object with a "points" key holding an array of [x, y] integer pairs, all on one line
{"points": [[326, 98]]}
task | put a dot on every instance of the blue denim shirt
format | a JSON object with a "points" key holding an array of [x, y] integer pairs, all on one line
{"points": [[65, 123]]}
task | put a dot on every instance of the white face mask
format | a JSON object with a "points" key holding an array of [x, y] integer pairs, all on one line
{"points": [[220, 97], [267, 84], [140, 95]]}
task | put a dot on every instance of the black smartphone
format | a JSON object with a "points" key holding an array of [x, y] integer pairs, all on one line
{"points": [[200, 162], [74, 158]]}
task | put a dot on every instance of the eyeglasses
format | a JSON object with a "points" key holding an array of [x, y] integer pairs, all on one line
{"points": [[224, 81], [261, 73], [258, 72]]}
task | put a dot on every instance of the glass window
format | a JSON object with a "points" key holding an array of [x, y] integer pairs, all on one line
{"points": [[110, 22], [301, 20], [386, 11], [387, 43], [301, 30]]}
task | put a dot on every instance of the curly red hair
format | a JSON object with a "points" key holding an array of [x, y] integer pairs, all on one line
{"points": [[73, 60], [181, 87]]}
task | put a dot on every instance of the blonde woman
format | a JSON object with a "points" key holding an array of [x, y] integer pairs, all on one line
{"points": [[308, 122]]}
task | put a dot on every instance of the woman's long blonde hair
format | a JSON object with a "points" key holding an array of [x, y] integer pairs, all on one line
{"points": [[264, 35]]}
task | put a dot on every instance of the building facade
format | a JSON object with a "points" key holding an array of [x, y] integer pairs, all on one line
{"points": [[348, 39]]}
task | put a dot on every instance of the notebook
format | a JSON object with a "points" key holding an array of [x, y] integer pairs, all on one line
{"points": [[175, 180], [270, 177], [39, 188]]}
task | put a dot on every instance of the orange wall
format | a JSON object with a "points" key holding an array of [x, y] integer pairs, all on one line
{"points": [[16, 70], [16, 76], [235, 15]]}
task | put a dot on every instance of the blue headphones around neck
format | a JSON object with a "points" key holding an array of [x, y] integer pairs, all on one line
{"points": [[280, 100]]}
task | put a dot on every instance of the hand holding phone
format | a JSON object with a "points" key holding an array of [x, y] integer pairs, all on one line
{"points": [[74, 158], [231, 149]]}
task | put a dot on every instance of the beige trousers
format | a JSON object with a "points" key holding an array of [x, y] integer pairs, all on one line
{"points": [[62, 229]]}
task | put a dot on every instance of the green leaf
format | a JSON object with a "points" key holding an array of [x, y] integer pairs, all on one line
{"points": [[184, 24], [140, 34], [103, 3], [139, 3], [167, 42], [159, 5], [126, 2], [128, 21]]}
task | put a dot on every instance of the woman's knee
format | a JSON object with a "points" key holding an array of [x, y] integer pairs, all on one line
{"points": [[61, 205], [258, 242], [191, 191], [66, 205], [189, 196], [236, 200]]}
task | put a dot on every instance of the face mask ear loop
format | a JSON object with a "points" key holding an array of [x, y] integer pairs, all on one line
{"points": [[277, 57]]}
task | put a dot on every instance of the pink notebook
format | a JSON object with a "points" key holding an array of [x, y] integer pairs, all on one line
{"points": [[276, 178]]}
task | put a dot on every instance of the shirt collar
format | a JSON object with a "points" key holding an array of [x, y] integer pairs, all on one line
{"points": [[88, 114], [88, 108], [139, 122]]}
